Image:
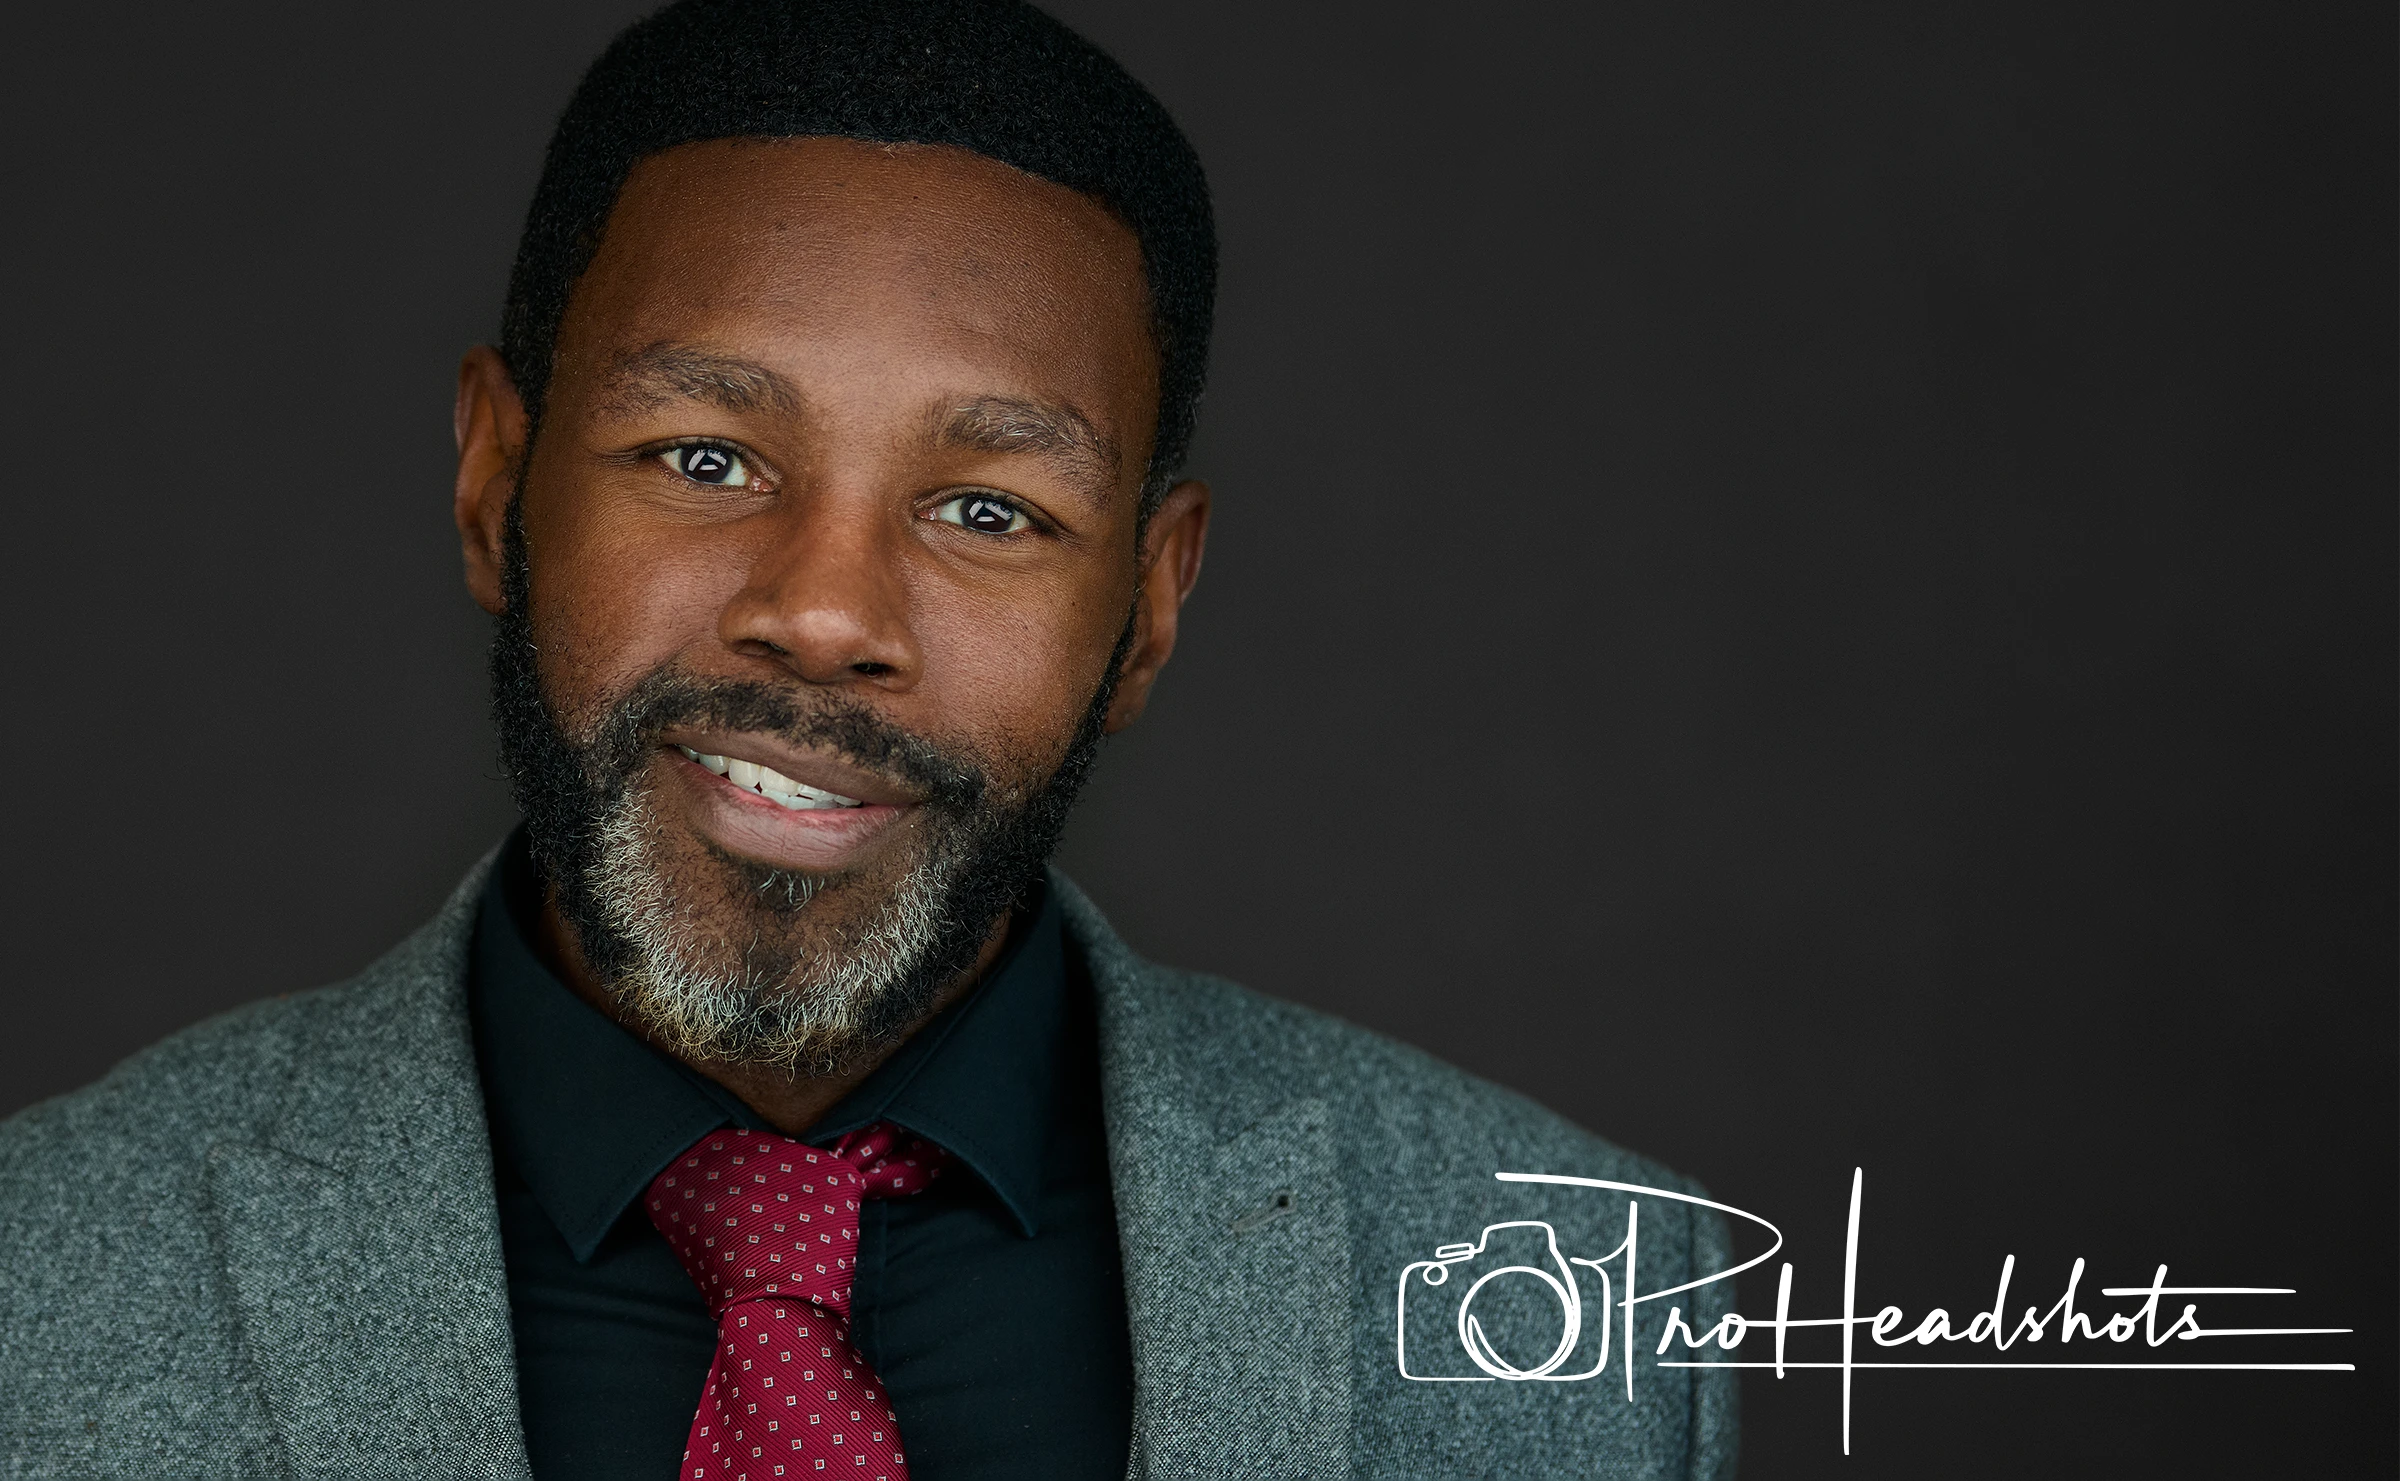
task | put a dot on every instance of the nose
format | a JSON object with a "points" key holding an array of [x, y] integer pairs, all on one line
{"points": [[827, 596]]}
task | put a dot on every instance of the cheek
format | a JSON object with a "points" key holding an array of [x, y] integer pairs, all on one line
{"points": [[612, 602], [1016, 673]]}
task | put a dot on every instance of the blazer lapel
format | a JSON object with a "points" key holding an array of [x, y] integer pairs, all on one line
{"points": [[359, 1238], [1235, 1234]]}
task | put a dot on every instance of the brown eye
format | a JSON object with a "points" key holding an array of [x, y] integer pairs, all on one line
{"points": [[706, 463], [983, 513]]}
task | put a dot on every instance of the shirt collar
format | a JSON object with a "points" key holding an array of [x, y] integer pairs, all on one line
{"points": [[979, 1080], [588, 1114]]}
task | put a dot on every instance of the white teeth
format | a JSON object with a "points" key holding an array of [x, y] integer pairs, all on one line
{"points": [[770, 783]]}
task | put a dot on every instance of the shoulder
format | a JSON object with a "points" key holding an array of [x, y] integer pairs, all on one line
{"points": [[117, 1326], [222, 1077], [145, 1129], [1253, 1052], [1393, 1096], [103, 1222], [114, 1324], [232, 1076]]}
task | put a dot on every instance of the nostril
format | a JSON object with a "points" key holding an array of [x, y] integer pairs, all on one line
{"points": [[869, 669]]}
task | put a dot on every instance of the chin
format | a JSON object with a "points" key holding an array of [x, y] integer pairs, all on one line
{"points": [[730, 960]]}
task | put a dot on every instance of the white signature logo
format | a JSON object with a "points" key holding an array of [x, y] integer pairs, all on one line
{"points": [[1437, 1301]]}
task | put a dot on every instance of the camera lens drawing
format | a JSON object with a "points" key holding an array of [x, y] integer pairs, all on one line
{"points": [[1477, 1343]]}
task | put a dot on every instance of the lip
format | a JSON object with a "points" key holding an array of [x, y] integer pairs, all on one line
{"points": [[813, 841]]}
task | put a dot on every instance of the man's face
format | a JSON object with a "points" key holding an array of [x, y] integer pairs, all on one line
{"points": [[818, 574]]}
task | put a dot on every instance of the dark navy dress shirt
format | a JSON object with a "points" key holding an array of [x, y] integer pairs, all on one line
{"points": [[992, 1305]]}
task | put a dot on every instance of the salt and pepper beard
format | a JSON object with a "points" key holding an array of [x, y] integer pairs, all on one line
{"points": [[745, 992]]}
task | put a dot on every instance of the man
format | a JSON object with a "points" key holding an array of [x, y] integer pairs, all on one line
{"points": [[764, 1107]]}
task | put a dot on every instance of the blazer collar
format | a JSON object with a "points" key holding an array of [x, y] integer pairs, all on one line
{"points": [[358, 1236], [1232, 1220]]}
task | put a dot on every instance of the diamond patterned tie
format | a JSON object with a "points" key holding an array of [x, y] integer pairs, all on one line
{"points": [[767, 1228]]}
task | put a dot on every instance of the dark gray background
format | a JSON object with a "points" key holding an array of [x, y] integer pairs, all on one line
{"points": [[1809, 585]]}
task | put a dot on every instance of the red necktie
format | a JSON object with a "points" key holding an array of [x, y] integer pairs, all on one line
{"points": [[768, 1229]]}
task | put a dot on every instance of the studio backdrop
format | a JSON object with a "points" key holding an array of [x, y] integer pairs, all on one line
{"points": [[1809, 586]]}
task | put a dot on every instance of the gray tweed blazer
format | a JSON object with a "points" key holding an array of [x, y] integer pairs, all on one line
{"points": [[268, 1247]]}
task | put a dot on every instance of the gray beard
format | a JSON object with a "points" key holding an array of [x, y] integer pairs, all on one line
{"points": [[807, 1013]]}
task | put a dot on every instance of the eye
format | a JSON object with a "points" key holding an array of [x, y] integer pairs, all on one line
{"points": [[986, 514], [706, 462]]}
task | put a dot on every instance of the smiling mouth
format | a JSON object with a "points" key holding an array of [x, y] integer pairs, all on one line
{"points": [[771, 784]]}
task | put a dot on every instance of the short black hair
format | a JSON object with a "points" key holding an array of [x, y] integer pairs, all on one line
{"points": [[997, 77]]}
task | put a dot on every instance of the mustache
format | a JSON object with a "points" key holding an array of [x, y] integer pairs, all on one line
{"points": [[668, 698]]}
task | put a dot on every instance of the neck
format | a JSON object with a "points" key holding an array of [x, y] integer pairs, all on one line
{"points": [[789, 1102]]}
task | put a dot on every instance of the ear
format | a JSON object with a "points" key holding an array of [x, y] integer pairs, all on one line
{"points": [[489, 423], [1170, 560]]}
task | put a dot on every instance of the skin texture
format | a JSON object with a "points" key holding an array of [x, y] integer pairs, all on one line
{"points": [[880, 335]]}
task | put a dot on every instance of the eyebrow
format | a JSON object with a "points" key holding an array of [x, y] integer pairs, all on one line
{"points": [[1016, 424], [645, 379], [652, 376]]}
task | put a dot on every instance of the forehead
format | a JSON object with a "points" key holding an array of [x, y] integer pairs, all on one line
{"points": [[871, 264]]}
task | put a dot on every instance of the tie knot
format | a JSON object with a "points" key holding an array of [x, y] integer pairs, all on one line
{"points": [[753, 1215], [890, 1162]]}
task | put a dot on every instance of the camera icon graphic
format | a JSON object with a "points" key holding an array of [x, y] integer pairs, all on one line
{"points": [[1438, 1321]]}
